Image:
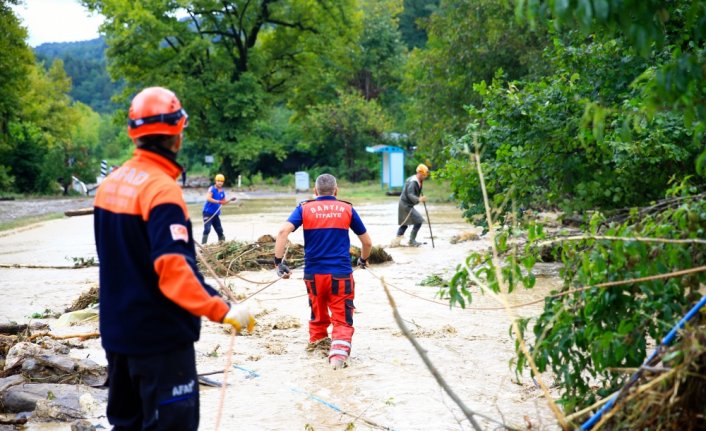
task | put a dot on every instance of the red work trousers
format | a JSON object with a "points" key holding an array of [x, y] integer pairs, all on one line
{"points": [[331, 301]]}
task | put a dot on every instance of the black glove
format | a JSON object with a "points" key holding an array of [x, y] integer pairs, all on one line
{"points": [[282, 268], [363, 263]]}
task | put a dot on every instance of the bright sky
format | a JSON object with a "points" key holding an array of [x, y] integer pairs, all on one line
{"points": [[57, 21]]}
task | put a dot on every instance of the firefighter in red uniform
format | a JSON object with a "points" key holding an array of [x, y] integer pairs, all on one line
{"points": [[328, 274], [152, 295]]}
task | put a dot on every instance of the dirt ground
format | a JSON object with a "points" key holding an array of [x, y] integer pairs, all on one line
{"points": [[273, 383]]}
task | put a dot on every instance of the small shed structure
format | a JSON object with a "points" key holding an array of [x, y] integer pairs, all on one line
{"points": [[301, 181], [391, 166]]}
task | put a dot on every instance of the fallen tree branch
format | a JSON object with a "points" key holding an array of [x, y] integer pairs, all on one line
{"points": [[14, 421], [27, 266], [12, 328], [82, 337]]}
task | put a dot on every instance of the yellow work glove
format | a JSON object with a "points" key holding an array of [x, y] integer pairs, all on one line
{"points": [[239, 316]]}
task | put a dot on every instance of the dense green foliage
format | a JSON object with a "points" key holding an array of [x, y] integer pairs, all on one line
{"points": [[468, 41], [591, 332], [413, 21], [576, 138], [614, 122], [14, 67], [678, 26], [252, 74], [338, 133], [231, 63], [47, 139]]}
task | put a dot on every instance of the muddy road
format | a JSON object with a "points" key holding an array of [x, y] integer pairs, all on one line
{"points": [[274, 384]]}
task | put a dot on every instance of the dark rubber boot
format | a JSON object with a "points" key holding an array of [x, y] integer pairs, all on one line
{"points": [[413, 239], [204, 239]]}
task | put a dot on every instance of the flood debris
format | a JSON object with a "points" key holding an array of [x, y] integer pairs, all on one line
{"points": [[78, 317], [79, 212], [670, 395], [377, 255], [465, 236], [50, 387], [82, 425], [8, 327], [40, 381], [230, 257], [54, 401], [86, 299], [52, 365]]}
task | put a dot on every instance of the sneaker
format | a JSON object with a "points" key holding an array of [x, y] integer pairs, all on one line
{"points": [[337, 362], [322, 346]]}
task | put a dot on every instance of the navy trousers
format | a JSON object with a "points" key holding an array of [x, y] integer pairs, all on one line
{"points": [[157, 392]]}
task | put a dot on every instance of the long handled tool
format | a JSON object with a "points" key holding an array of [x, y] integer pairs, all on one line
{"points": [[429, 223], [219, 210]]}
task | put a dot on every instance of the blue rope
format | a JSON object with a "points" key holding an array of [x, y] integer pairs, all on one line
{"points": [[334, 407], [667, 340], [253, 374], [315, 398]]}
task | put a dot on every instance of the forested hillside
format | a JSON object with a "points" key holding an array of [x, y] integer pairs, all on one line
{"points": [[85, 63]]}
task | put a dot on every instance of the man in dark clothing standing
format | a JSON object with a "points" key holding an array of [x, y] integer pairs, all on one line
{"points": [[406, 214], [152, 295]]}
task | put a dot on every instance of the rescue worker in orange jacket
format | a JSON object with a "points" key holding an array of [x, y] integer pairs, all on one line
{"points": [[152, 295], [328, 274]]}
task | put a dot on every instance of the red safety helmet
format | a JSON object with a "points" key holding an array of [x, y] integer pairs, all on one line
{"points": [[156, 111]]}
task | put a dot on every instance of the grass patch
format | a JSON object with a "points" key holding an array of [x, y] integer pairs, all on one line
{"points": [[26, 221]]}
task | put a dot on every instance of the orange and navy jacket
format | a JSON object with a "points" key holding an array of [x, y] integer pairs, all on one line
{"points": [[326, 221], [151, 293]]}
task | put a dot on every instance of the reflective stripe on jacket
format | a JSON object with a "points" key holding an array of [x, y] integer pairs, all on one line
{"points": [[326, 221]]}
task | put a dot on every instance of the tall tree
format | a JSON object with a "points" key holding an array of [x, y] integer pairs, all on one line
{"points": [[48, 120], [337, 133], [15, 62], [468, 42], [679, 25], [228, 61], [413, 19], [380, 60]]}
